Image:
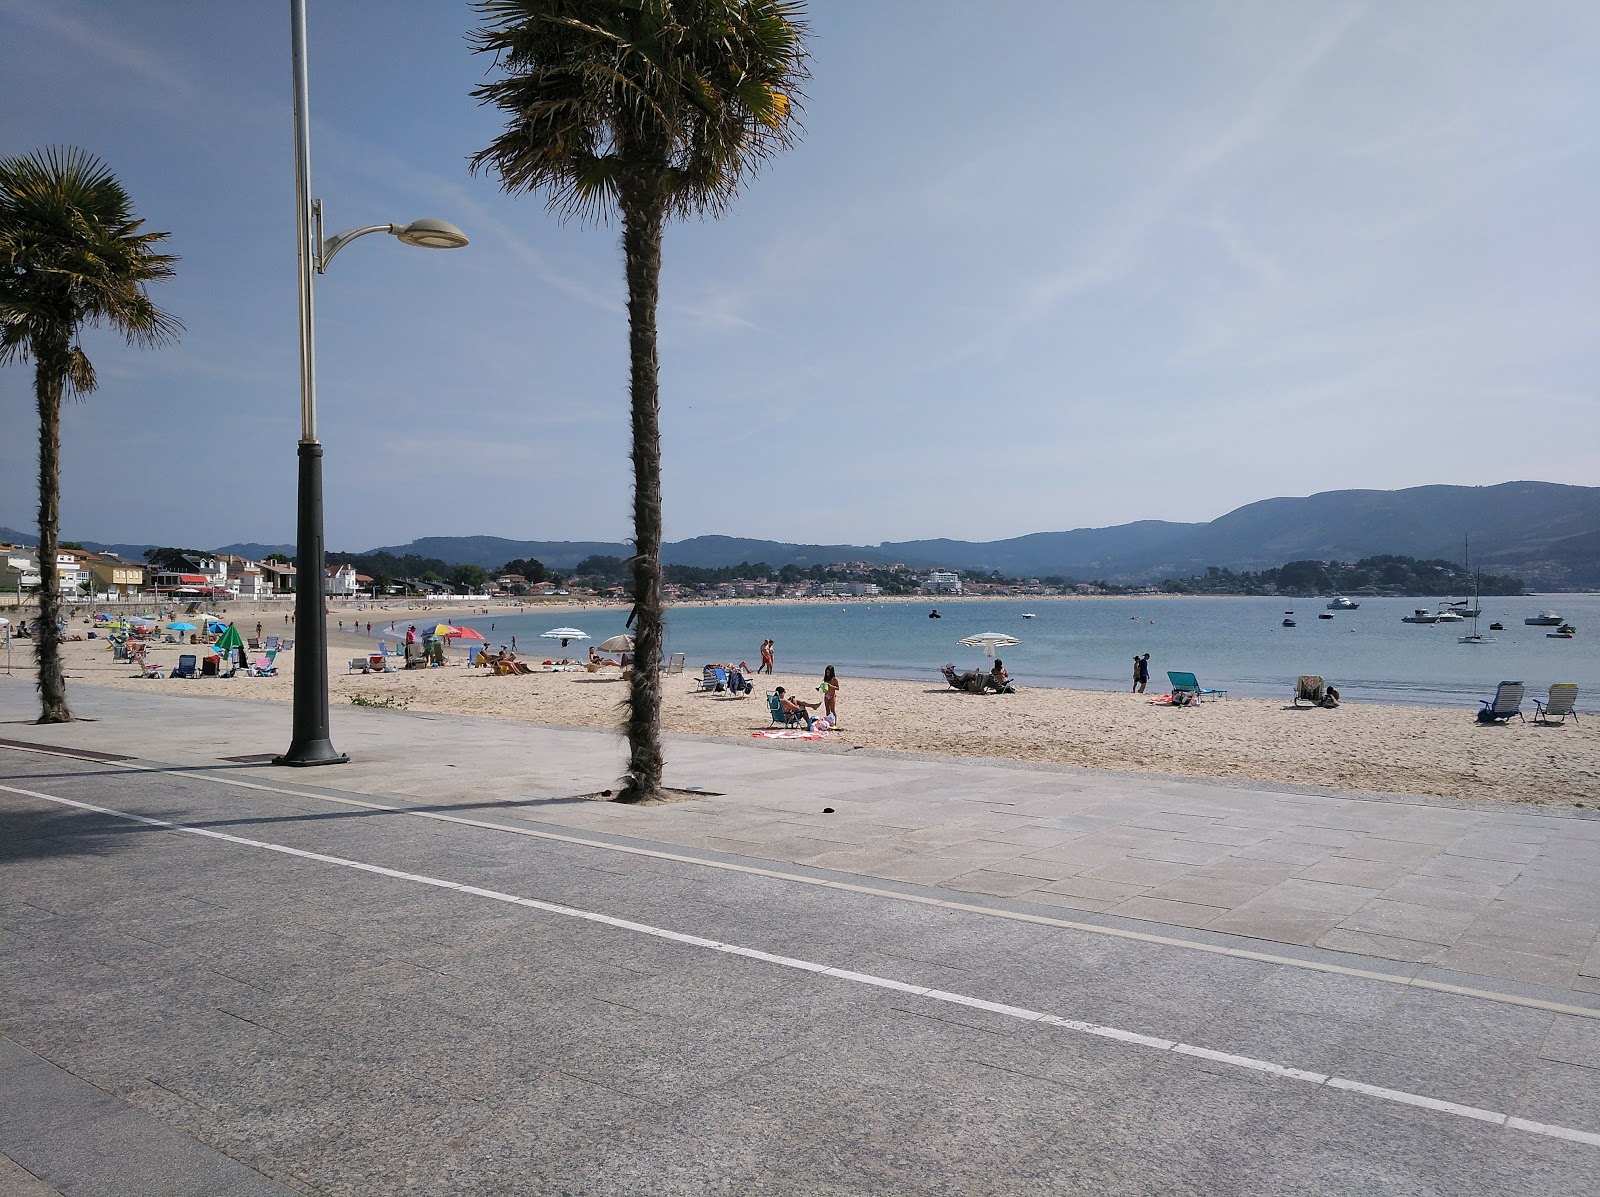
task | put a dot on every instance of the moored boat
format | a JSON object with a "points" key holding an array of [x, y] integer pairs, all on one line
{"points": [[1339, 603], [1421, 615], [1565, 632], [1545, 619]]}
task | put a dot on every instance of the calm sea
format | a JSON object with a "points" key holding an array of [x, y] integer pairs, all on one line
{"points": [[1237, 644]]}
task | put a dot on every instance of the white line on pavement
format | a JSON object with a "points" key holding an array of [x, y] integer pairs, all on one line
{"points": [[939, 995], [1171, 941]]}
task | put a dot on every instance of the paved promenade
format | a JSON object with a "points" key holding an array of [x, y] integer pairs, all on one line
{"points": [[442, 967], [1505, 892]]}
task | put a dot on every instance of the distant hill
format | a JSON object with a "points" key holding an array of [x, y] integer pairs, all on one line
{"points": [[1544, 532]]}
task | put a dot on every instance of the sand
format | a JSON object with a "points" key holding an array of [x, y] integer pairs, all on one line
{"points": [[1359, 746]]}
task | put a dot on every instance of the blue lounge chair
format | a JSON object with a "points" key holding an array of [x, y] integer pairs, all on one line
{"points": [[1507, 702], [1185, 683], [188, 666], [739, 684], [1562, 699], [712, 677], [779, 716], [272, 644]]}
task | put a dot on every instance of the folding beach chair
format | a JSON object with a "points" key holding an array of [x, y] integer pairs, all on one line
{"points": [[1507, 702], [779, 716], [675, 663], [1185, 683], [1311, 688], [186, 667], [1563, 697], [271, 644]]}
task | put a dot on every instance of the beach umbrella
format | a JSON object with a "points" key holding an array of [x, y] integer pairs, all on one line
{"points": [[564, 635], [617, 644], [230, 642], [216, 626], [989, 641], [443, 629], [467, 634], [180, 627]]}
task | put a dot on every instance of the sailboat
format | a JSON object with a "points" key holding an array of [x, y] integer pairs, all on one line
{"points": [[1460, 606], [1475, 636]]}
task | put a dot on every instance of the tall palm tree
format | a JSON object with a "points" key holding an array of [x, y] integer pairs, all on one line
{"points": [[71, 254], [651, 109]]}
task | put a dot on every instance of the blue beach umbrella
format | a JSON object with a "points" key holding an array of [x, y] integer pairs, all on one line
{"points": [[180, 627]]}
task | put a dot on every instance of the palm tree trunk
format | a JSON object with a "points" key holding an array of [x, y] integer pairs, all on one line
{"points": [[643, 215], [47, 385]]}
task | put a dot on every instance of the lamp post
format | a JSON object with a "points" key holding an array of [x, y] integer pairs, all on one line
{"points": [[310, 744]]}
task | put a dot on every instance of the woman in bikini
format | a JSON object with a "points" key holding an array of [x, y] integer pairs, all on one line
{"points": [[830, 695]]}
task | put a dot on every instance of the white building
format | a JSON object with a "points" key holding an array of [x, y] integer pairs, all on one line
{"points": [[941, 581]]}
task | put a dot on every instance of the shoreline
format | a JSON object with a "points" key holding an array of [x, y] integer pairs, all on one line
{"points": [[1385, 748]]}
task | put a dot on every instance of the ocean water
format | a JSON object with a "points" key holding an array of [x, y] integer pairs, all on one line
{"points": [[1235, 644]]}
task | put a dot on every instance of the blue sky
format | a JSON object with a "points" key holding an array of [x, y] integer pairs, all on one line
{"points": [[1034, 266]]}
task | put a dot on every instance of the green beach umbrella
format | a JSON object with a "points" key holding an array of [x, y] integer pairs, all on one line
{"points": [[228, 641]]}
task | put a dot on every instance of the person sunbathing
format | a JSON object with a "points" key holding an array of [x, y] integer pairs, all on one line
{"points": [[999, 680], [596, 659], [795, 709]]}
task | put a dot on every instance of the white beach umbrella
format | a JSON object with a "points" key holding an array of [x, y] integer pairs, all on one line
{"points": [[989, 641], [564, 635], [617, 644]]}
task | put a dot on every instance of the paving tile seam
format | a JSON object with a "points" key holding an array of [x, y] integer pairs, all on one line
{"points": [[1020, 1013], [1412, 982]]}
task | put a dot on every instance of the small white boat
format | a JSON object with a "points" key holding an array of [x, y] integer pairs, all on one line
{"points": [[1565, 632], [1545, 619], [1445, 615], [1421, 615], [1029, 615], [1339, 603]]}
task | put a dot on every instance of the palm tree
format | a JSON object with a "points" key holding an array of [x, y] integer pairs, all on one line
{"points": [[71, 254], [654, 109]]}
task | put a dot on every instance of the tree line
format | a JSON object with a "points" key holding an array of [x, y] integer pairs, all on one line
{"points": [[1386, 574]]}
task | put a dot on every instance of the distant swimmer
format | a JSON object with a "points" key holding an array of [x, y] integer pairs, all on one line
{"points": [[934, 614]]}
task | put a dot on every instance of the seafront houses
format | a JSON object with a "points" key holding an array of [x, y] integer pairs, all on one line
{"points": [[941, 581], [277, 577], [245, 579], [115, 577], [19, 569], [344, 582]]}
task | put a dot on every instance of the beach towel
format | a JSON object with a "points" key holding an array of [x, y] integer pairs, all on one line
{"points": [[789, 733]]}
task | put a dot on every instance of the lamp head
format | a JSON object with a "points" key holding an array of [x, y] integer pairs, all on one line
{"points": [[430, 234]]}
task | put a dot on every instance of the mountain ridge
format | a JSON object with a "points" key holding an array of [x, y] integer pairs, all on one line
{"points": [[1546, 532]]}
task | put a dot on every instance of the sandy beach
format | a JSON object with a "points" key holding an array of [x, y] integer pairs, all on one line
{"points": [[1359, 746]]}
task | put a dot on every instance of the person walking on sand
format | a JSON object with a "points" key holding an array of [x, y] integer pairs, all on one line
{"points": [[767, 656], [1141, 672], [258, 629]]}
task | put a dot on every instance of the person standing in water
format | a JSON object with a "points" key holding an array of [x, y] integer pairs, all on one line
{"points": [[830, 695]]}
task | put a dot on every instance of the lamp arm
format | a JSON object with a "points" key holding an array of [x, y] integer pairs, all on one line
{"points": [[326, 249]]}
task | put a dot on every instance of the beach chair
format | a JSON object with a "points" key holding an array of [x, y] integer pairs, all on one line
{"points": [[149, 669], [971, 681], [211, 666], [1185, 683], [1563, 697], [186, 667], [357, 665], [713, 678], [286, 646], [252, 642], [739, 684], [1311, 688], [675, 663], [779, 716], [272, 644], [1507, 702], [266, 666]]}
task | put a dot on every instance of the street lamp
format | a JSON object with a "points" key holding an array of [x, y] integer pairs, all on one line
{"points": [[310, 744]]}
